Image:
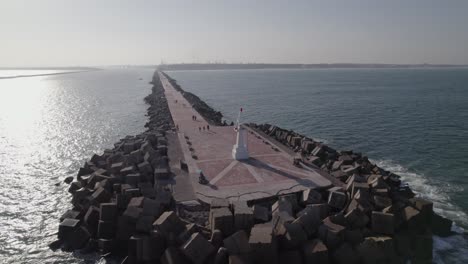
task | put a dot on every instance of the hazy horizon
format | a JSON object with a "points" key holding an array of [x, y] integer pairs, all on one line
{"points": [[53, 33]]}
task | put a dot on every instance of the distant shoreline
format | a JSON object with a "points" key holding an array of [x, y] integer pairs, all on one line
{"points": [[258, 66]]}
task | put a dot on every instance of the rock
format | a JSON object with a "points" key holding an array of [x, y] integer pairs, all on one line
{"points": [[310, 196], [294, 235], [78, 238], [315, 251], [67, 226], [309, 222], [108, 212], [345, 254], [383, 223], [331, 233], [222, 219], [173, 256], [261, 213], [411, 217], [219, 203], [72, 214], [197, 248], [222, 256], [161, 174], [243, 216], [100, 196], [441, 226], [91, 219], [422, 249], [106, 230], [237, 243], [282, 205], [105, 245], [316, 209], [132, 214], [356, 218], [425, 207], [152, 207], [74, 186], [376, 250], [381, 202], [290, 257], [136, 202], [353, 236], [337, 199], [169, 223], [216, 238], [144, 223], [68, 179], [263, 244]]}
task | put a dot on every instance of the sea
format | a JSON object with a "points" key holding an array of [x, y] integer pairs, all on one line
{"points": [[411, 121]]}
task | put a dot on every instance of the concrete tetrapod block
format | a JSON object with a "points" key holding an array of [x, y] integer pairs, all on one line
{"points": [[237, 243], [309, 222], [72, 214], [263, 244], [290, 257], [219, 203], [197, 248], [173, 256], [222, 219], [67, 226], [383, 223], [311, 196], [345, 254], [108, 212], [315, 251], [106, 230], [78, 238], [376, 250], [331, 233], [91, 219], [169, 223], [337, 199], [282, 205], [243, 216], [261, 213]]}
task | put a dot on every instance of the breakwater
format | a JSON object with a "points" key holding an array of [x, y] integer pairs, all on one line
{"points": [[212, 116], [121, 205]]}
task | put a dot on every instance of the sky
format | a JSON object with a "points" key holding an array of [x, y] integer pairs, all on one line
{"points": [[116, 32]]}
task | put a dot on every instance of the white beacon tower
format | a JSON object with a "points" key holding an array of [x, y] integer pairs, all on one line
{"points": [[240, 150]]}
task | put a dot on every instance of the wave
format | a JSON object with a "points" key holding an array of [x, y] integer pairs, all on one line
{"points": [[452, 249]]}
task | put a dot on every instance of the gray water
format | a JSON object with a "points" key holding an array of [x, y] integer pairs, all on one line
{"points": [[48, 127], [413, 122]]}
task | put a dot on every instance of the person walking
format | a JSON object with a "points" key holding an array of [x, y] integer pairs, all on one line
{"points": [[199, 129], [208, 127]]}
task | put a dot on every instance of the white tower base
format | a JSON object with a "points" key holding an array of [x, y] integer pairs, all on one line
{"points": [[240, 150]]}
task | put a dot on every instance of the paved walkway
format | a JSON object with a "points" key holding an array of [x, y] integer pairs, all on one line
{"points": [[268, 172]]}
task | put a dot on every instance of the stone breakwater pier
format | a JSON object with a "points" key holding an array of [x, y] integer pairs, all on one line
{"points": [[175, 194]]}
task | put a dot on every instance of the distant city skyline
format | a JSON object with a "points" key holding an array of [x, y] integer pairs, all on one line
{"points": [[97, 33]]}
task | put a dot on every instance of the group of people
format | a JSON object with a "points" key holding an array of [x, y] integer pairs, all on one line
{"points": [[203, 127], [194, 118]]}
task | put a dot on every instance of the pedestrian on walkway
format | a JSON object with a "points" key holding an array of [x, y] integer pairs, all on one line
{"points": [[177, 127], [199, 129], [208, 127]]}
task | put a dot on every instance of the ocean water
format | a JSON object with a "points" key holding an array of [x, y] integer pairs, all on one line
{"points": [[410, 121], [49, 126], [413, 122]]}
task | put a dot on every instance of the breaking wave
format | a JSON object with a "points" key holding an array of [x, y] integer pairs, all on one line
{"points": [[453, 249]]}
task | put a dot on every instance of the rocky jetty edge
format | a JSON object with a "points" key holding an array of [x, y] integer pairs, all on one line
{"points": [[123, 207]]}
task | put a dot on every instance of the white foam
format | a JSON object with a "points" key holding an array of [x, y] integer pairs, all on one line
{"points": [[453, 249]]}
